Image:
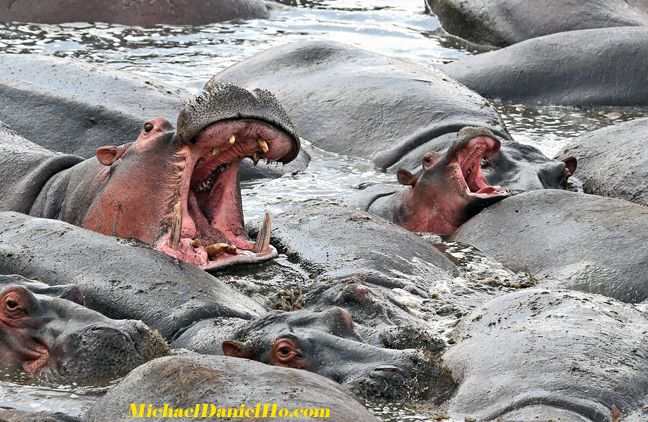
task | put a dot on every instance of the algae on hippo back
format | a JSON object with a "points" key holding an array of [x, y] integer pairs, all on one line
{"points": [[187, 200]]}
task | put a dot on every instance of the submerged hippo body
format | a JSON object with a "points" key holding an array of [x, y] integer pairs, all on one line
{"points": [[354, 102], [59, 341], [593, 67], [550, 355], [71, 107], [225, 382], [504, 22], [120, 279], [187, 200], [447, 192], [613, 161], [11, 415], [568, 240], [138, 12], [394, 283]]}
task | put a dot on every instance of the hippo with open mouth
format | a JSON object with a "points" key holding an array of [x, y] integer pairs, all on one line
{"points": [[449, 190], [59, 340], [176, 190]]}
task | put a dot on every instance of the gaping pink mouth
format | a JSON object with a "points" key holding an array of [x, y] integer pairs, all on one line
{"points": [[469, 159], [206, 225]]}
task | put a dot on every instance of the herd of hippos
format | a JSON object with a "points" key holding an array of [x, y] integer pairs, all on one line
{"points": [[104, 248]]}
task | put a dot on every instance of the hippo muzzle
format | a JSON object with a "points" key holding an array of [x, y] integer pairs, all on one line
{"points": [[178, 190]]}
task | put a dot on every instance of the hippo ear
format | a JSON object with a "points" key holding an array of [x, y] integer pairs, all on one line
{"points": [[107, 155], [570, 164], [237, 349], [406, 178]]}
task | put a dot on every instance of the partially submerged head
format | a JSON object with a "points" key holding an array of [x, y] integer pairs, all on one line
{"points": [[326, 343], [450, 188], [60, 341], [179, 190]]}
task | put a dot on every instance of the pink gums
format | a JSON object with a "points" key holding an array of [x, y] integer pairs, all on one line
{"points": [[210, 197]]}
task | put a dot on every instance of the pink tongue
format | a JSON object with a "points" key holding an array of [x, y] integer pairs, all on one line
{"points": [[488, 189]]}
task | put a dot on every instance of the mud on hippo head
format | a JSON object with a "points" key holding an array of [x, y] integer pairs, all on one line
{"points": [[450, 188], [179, 190], [58, 340], [326, 343]]}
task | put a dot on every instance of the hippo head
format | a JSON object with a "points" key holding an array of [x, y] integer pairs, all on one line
{"points": [[450, 188], [178, 190], [58, 340], [326, 343]]}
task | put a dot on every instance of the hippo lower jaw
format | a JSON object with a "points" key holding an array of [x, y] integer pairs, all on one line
{"points": [[205, 225], [470, 175]]}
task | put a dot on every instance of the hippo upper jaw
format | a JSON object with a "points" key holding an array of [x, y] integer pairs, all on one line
{"points": [[468, 158], [205, 223]]}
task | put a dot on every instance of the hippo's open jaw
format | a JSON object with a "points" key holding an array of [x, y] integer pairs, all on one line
{"points": [[207, 227], [469, 159]]}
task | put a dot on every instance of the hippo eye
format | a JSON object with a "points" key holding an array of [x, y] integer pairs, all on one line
{"points": [[148, 127], [427, 159], [12, 305], [285, 350]]}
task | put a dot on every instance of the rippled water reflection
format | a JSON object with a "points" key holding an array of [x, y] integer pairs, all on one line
{"points": [[188, 56]]}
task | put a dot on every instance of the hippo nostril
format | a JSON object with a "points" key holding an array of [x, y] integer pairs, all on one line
{"points": [[105, 331], [387, 368]]}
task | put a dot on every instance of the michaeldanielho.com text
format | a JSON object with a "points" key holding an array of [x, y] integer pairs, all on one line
{"points": [[212, 411]]}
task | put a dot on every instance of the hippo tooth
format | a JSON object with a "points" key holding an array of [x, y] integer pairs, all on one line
{"points": [[176, 226], [214, 151], [263, 145], [232, 139], [196, 243], [255, 158], [263, 237], [231, 249], [216, 249]]}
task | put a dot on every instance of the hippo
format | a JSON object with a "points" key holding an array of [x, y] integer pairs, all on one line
{"points": [[187, 200], [354, 102], [399, 288], [549, 70], [568, 240], [182, 381], [58, 340], [541, 354], [122, 279], [447, 192], [72, 107], [613, 161], [504, 22], [326, 343], [133, 13]]}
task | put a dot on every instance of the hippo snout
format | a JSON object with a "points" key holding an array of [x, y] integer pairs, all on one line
{"points": [[104, 351]]}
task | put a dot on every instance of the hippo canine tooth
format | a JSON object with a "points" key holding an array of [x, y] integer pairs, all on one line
{"points": [[255, 158], [263, 145], [232, 140], [214, 151], [176, 226], [263, 237]]}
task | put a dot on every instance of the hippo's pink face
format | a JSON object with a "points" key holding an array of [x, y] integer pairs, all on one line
{"points": [[18, 346], [451, 188], [184, 198], [179, 191]]}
